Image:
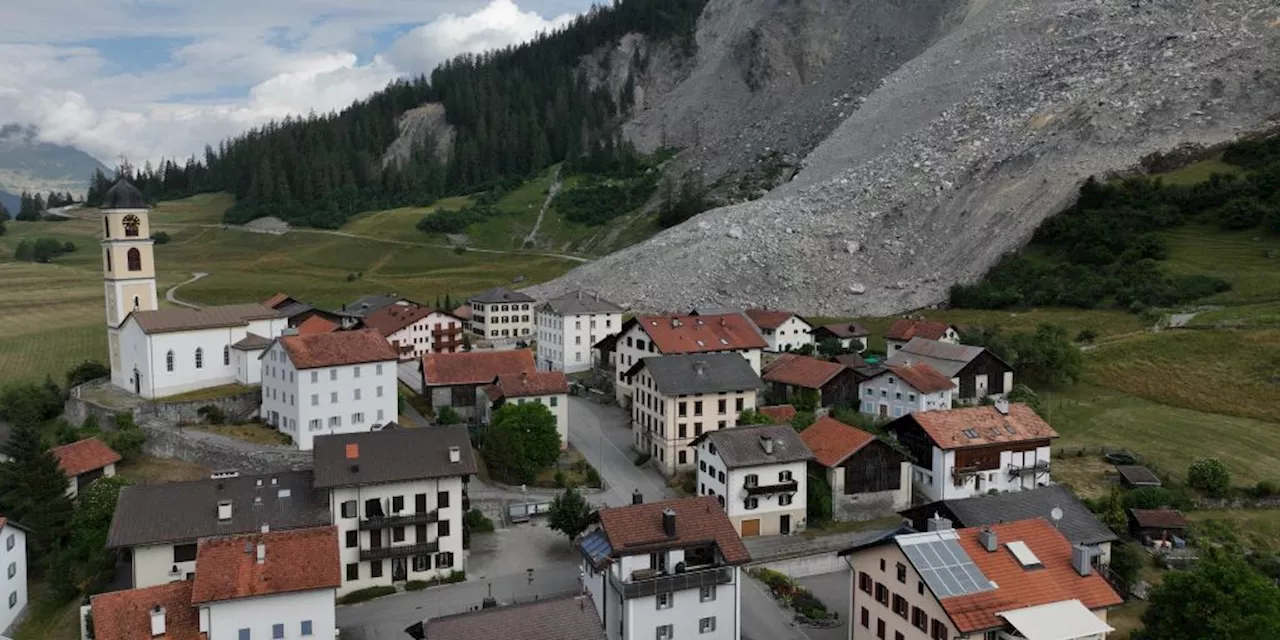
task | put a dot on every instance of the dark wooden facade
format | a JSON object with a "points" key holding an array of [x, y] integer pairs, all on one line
{"points": [[874, 468], [918, 443], [840, 391], [985, 364]]}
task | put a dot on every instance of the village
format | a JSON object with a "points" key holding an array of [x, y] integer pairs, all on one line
{"points": [[710, 473]]}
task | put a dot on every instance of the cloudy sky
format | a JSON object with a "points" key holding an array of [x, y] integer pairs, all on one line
{"points": [[160, 78]]}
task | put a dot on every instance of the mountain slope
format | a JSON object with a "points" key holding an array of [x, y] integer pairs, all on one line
{"points": [[958, 155], [27, 164]]}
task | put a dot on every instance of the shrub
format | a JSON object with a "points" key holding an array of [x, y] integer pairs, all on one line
{"points": [[477, 522], [560, 479], [366, 594], [128, 437], [160, 237], [1149, 498], [448, 416], [642, 459], [1126, 560], [593, 477], [86, 371], [1087, 336], [1209, 475], [1267, 488], [1241, 213], [66, 433], [415, 585], [90, 425], [212, 414], [808, 605]]}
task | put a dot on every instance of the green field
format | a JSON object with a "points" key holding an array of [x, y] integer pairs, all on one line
{"points": [[1249, 260]]}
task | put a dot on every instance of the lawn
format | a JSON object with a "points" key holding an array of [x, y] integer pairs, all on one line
{"points": [[1198, 172], [1257, 529], [149, 470], [1105, 323], [1262, 315], [400, 224], [48, 620], [206, 208], [210, 393], [251, 433], [1249, 260]]}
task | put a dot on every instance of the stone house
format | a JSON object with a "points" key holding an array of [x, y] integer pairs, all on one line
{"points": [[868, 478], [791, 375], [454, 379]]}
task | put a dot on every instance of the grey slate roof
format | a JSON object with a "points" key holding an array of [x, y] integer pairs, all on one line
{"points": [[567, 618], [183, 319], [697, 373], [186, 511], [579, 302], [500, 294], [123, 195], [292, 309], [947, 358], [396, 455], [252, 342], [365, 305], [743, 446], [1078, 524]]}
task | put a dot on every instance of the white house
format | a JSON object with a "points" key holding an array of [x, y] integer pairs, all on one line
{"points": [[850, 336], [758, 474], [901, 389], [678, 398], [782, 330], [398, 498], [13, 557], [977, 372], [903, 331], [648, 336], [84, 461], [414, 330], [547, 388], [502, 316], [327, 383], [665, 570], [568, 326], [965, 452]]}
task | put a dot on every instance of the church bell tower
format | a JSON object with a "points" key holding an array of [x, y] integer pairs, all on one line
{"points": [[128, 267]]}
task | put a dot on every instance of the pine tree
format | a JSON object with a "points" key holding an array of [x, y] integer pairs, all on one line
{"points": [[33, 490]]}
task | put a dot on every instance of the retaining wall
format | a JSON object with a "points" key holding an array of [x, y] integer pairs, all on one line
{"points": [[219, 452]]}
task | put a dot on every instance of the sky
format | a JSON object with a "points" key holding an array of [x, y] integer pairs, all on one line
{"points": [[152, 79]]}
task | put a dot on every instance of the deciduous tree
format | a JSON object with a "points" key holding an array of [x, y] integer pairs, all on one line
{"points": [[569, 513], [521, 440], [1223, 598]]}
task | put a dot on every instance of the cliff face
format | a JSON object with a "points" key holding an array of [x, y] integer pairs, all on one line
{"points": [[954, 129]]}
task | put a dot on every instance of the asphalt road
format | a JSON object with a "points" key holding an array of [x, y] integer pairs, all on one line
{"points": [[603, 434]]}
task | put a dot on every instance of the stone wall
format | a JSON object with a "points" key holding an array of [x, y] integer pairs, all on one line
{"points": [[219, 452], [241, 407]]}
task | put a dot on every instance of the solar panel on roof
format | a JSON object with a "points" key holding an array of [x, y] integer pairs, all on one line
{"points": [[596, 546], [943, 563]]}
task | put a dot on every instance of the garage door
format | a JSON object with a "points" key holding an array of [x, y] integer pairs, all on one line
{"points": [[750, 528]]}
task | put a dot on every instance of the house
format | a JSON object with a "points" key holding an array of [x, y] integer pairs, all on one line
{"points": [[791, 377], [361, 307], [301, 314], [502, 316], [568, 327], [678, 398], [905, 330], [463, 313], [13, 556], [328, 383], [868, 478], [960, 453], [782, 330], [779, 413], [850, 335], [398, 499], [548, 388], [453, 379], [571, 617], [414, 330], [84, 461], [1077, 524], [317, 324], [1155, 525], [647, 336], [160, 526], [757, 473], [267, 584], [1018, 581], [896, 390], [664, 570], [978, 373]]}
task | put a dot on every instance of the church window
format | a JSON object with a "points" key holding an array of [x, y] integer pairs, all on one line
{"points": [[199, 358], [131, 225], [226, 356], [135, 260], [168, 361], [135, 303], [106, 228]]}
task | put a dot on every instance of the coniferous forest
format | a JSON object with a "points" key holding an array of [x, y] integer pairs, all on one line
{"points": [[515, 111]]}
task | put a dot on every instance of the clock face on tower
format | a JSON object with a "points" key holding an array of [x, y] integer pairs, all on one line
{"points": [[131, 225]]}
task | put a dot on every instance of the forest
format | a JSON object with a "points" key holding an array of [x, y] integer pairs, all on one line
{"points": [[515, 111], [1106, 250]]}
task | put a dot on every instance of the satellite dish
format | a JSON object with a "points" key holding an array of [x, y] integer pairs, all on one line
{"points": [[1056, 515]]}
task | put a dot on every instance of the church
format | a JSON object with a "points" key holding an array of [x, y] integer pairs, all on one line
{"points": [[156, 352]]}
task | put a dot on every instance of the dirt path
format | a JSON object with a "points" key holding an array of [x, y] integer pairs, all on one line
{"points": [[551, 194], [170, 294]]}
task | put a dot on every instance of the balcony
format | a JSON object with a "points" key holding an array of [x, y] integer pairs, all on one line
{"points": [[382, 553], [790, 486], [405, 520], [1031, 470], [455, 332], [666, 583]]}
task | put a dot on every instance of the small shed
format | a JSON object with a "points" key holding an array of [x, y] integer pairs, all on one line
{"points": [[1157, 524], [1135, 476]]}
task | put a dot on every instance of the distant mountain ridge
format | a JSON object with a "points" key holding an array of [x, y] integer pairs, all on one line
{"points": [[28, 164]]}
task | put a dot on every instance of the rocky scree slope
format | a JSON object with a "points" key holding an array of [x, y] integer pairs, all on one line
{"points": [[959, 154]]}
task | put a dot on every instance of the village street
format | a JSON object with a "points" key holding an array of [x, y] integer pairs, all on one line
{"points": [[602, 432]]}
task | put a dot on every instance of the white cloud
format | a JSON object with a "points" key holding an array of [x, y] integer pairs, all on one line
{"points": [[497, 25]]}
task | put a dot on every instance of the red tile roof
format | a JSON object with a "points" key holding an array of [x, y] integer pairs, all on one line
{"points": [[989, 426], [907, 329], [296, 560], [276, 299], [84, 456], [523, 385], [638, 528], [336, 349], [677, 334], [845, 330], [474, 367], [801, 371], [463, 312], [1160, 518], [832, 441], [768, 319], [779, 413], [1017, 587], [126, 615], [316, 324], [923, 377], [395, 317]]}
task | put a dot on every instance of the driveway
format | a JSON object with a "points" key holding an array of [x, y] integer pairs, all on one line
{"points": [[603, 434], [833, 590], [410, 373]]}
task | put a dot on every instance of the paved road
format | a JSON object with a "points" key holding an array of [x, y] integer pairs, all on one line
{"points": [[170, 294], [762, 617], [603, 434], [833, 590]]}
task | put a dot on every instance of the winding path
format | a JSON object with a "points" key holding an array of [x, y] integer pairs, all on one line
{"points": [[170, 294], [551, 194]]}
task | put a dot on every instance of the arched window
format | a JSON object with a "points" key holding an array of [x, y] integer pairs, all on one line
{"points": [[131, 225], [199, 358], [135, 303], [106, 228], [135, 259], [168, 361], [226, 356]]}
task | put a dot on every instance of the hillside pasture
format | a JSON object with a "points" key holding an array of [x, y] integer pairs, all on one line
{"points": [[1249, 260]]}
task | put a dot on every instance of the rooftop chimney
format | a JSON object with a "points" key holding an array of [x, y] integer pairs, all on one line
{"points": [[265, 529], [157, 621], [353, 451], [637, 497], [938, 523], [669, 522], [262, 553], [1081, 559], [988, 539], [455, 454], [675, 322], [700, 367], [722, 322], [224, 510], [1002, 406], [766, 443]]}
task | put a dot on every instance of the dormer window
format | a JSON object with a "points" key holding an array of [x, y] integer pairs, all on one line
{"points": [[131, 226], [970, 433]]}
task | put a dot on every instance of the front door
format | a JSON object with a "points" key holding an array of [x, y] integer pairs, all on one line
{"points": [[750, 528], [784, 525], [884, 411], [399, 570], [137, 382]]}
